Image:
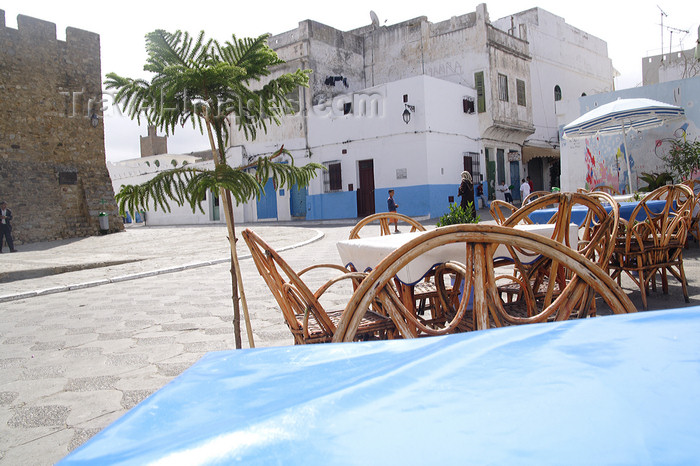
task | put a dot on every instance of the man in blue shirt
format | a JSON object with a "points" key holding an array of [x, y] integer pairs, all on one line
{"points": [[392, 205]]}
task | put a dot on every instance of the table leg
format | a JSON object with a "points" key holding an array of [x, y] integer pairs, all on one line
{"points": [[407, 296]]}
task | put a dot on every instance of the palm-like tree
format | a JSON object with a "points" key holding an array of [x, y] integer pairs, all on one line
{"points": [[211, 85]]}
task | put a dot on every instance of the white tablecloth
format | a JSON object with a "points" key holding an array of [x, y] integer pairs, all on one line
{"points": [[624, 197], [365, 253]]}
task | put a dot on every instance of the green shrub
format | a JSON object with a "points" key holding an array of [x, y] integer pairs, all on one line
{"points": [[683, 159], [458, 215], [655, 180]]}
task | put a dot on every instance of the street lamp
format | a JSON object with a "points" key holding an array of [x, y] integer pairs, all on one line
{"points": [[407, 112]]}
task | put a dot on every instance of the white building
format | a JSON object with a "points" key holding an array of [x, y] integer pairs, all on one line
{"points": [[410, 106], [567, 63], [140, 170], [513, 73], [670, 67], [412, 135]]}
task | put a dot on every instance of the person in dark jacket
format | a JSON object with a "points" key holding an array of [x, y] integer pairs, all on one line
{"points": [[466, 191], [6, 227]]}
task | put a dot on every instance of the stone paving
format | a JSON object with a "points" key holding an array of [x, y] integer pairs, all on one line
{"points": [[80, 348]]}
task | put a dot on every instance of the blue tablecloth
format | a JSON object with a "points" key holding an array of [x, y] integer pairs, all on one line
{"points": [[578, 213], [613, 390]]}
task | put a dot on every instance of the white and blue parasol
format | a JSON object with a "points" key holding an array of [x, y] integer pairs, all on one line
{"points": [[621, 115]]}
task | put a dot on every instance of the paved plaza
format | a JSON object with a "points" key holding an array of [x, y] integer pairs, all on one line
{"points": [[90, 327]]}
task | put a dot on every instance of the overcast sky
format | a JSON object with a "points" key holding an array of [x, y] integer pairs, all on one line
{"points": [[632, 30]]}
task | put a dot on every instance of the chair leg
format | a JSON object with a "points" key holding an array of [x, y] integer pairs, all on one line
{"points": [[664, 281], [684, 282], [643, 284]]}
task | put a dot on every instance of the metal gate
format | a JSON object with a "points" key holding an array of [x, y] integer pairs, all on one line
{"points": [[297, 201], [515, 180]]}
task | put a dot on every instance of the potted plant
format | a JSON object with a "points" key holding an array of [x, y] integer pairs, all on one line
{"points": [[458, 215]]}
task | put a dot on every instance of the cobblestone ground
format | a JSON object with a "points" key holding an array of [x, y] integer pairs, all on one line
{"points": [[73, 362]]}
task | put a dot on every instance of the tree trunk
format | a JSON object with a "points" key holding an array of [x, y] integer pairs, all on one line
{"points": [[236, 270], [228, 212], [236, 283]]}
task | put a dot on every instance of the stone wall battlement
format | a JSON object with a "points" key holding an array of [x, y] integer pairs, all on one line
{"points": [[37, 31]]}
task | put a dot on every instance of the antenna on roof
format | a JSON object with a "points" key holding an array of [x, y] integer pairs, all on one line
{"points": [[374, 17], [663, 13], [670, 40]]}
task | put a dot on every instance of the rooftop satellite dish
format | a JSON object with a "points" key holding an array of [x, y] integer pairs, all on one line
{"points": [[375, 18]]}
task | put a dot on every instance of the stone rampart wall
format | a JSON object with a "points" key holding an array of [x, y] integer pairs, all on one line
{"points": [[53, 173]]}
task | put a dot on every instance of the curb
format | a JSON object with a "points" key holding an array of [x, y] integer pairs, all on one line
{"points": [[136, 276]]}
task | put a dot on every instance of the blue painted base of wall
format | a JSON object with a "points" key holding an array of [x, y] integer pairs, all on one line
{"points": [[414, 201], [331, 206]]}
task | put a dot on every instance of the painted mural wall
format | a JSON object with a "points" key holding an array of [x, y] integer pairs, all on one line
{"points": [[601, 160]]}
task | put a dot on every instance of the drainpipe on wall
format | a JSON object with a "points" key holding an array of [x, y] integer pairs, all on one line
{"points": [[305, 109]]}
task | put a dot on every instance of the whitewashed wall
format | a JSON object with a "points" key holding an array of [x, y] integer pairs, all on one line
{"points": [[137, 171], [561, 55], [428, 147]]}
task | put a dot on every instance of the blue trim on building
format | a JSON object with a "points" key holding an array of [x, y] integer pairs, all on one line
{"points": [[414, 201], [329, 206]]}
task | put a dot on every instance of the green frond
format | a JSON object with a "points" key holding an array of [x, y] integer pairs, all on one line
{"points": [[186, 185], [197, 80]]}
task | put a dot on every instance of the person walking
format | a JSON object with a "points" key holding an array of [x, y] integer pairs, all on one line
{"points": [[524, 191], [392, 206], [503, 193], [6, 227], [466, 192]]}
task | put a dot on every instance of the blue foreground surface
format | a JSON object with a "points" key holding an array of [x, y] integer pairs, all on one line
{"points": [[608, 390]]}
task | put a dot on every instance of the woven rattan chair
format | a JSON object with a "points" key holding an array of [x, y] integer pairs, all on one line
{"points": [[534, 195], [564, 204], [694, 228], [501, 210], [596, 240], [383, 218], [606, 189], [478, 267], [425, 292], [302, 311], [655, 244]]}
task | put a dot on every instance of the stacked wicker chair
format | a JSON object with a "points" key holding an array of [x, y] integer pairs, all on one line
{"points": [[606, 189], [534, 196], [501, 210], [694, 229], [652, 241]]}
